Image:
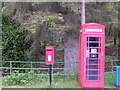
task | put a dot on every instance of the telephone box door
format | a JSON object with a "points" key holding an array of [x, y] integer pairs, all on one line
{"points": [[94, 61]]}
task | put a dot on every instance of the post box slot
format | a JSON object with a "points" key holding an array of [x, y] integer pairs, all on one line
{"points": [[49, 49]]}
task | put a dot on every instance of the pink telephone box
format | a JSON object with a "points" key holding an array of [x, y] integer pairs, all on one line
{"points": [[92, 53], [49, 55]]}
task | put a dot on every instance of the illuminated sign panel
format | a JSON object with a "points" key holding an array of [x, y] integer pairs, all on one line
{"points": [[93, 30]]}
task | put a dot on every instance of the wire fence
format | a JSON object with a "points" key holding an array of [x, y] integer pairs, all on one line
{"points": [[9, 67]]}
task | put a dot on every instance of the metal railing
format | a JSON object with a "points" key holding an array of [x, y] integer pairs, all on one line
{"points": [[11, 67], [112, 65]]}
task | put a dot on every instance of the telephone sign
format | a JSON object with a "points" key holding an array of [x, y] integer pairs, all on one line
{"points": [[92, 53], [49, 55]]}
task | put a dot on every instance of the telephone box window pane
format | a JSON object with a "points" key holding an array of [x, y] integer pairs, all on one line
{"points": [[93, 56], [93, 50], [93, 38], [93, 78], [92, 72], [93, 45], [93, 61], [92, 66]]}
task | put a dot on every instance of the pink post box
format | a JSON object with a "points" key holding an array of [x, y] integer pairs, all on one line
{"points": [[49, 55], [92, 53]]}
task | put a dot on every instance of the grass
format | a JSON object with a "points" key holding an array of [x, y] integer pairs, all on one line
{"points": [[110, 44], [45, 84], [109, 83], [0, 83], [110, 80]]}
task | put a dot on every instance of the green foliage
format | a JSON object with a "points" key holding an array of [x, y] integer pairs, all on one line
{"points": [[41, 78], [110, 80], [23, 79], [109, 44], [50, 20], [108, 57], [47, 43], [70, 81], [62, 4], [13, 40], [61, 18], [77, 11], [109, 7], [68, 76]]}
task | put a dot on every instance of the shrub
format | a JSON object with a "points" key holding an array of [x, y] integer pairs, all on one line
{"points": [[69, 76], [23, 79], [14, 44]]}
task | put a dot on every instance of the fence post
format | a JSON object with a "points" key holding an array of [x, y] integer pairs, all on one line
{"points": [[52, 72], [31, 64], [10, 67], [112, 66]]}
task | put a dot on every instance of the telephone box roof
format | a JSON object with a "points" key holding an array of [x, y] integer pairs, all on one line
{"points": [[92, 24]]}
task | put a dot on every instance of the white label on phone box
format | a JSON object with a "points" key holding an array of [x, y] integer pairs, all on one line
{"points": [[49, 57], [93, 30], [93, 50]]}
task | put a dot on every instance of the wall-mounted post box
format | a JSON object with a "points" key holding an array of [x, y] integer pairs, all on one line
{"points": [[49, 55], [92, 53]]}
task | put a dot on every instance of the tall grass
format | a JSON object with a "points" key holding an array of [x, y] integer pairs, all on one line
{"points": [[110, 80], [70, 83]]}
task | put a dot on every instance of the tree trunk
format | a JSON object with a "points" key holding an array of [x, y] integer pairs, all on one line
{"points": [[114, 40], [21, 8], [71, 51]]}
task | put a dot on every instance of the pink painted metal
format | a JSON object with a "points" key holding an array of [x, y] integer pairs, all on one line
{"points": [[92, 53], [49, 55]]}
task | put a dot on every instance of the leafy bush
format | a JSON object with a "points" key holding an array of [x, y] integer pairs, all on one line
{"points": [[69, 76], [13, 40], [23, 79]]}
